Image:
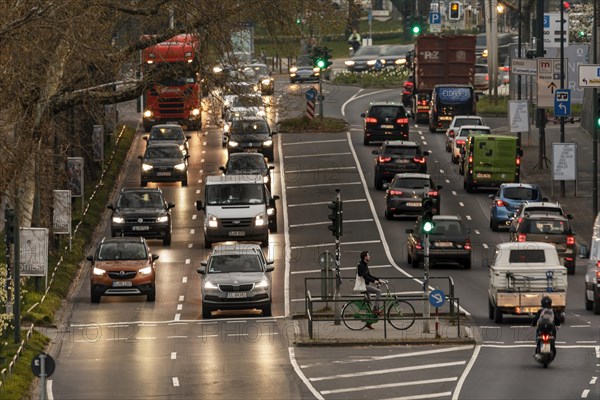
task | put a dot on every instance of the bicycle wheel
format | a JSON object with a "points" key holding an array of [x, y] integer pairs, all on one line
{"points": [[401, 314], [354, 315]]}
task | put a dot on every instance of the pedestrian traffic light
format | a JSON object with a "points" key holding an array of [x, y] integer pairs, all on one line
{"points": [[454, 11], [598, 110], [427, 224], [9, 225], [336, 218]]}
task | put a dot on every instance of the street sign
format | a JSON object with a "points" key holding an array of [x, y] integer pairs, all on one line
{"points": [[575, 55], [326, 259], [552, 30], [437, 298], [49, 365], [562, 103], [518, 115], [564, 161], [311, 94], [435, 21], [523, 66], [589, 76], [548, 80]]}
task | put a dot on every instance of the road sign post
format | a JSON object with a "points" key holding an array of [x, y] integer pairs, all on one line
{"points": [[437, 298]]}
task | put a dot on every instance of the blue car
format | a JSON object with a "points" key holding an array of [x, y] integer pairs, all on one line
{"points": [[507, 200]]}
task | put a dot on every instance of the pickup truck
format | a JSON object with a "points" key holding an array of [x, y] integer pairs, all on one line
{"points": [[521, 273]]}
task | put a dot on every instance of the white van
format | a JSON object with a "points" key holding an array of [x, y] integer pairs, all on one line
{"points": [[237, 207], [592, 274]]}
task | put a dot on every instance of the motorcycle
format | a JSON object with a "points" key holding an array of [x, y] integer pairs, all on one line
{"points": [[545, 349]]}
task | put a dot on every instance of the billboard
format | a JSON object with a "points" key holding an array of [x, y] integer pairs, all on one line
{"points": [[33, 251], [61, 216], [75, 176]]}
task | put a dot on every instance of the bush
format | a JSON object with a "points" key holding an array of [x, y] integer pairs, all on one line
{"points": [[304, 124], [389, 77]]}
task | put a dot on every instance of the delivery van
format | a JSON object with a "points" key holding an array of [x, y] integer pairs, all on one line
{"points": [[490, 160], [448, 101], [237, 207]]}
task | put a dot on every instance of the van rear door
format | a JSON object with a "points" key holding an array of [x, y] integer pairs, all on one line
{"points": [[494, 159]]}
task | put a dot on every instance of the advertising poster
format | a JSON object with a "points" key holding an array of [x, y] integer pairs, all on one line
{"points": [[98, 143], [61, 217], [75, 176], [34, 251]]}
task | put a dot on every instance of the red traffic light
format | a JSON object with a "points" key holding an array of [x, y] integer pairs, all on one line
{"points": [[566, 5]]}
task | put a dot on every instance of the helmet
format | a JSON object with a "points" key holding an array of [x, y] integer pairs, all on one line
{"points": [[546, 302]]}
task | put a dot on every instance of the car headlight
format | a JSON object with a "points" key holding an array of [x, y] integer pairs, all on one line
{"points": [[293, 69], [382, 61], [255, 88], [211, 221], [148, 114], [259, 220], [226, 128], [371, 62], [232, 143], [98, 271], [268, 143], [266, 179], [195, 112], [266, 82], [263, 284], [216, 70], [118, 220], [349, 62], [145, 271], [209, 285], [261, 113], [162, 218], [401, 61], [485, 53], [147, 167], [180, 167], [270, 211], [316, 70]]}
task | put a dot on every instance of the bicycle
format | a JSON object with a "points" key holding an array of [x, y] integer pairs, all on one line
{"points": [[357, 314]]}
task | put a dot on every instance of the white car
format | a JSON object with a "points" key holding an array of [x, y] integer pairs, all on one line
{"points": [[461, 138], [458, 121]]}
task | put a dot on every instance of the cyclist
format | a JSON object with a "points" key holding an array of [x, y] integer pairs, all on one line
{"points": [[363, 271], [354, 40]]}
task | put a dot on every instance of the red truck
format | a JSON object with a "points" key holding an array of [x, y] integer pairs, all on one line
{"points": [[438, 60], [177, 98]]}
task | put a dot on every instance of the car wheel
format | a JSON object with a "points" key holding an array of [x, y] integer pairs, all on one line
{"points": [[95, 297], [494, 225], [589, 304], [269, 156], [366, 140], [378, 183], [273, 225], [152, 295], [461, 168], [388, 215], [571, 270], [490, 309], [206, 312], [184, 182], [265, 242], [448, 148], [497, 315], [207, 243], [266, 310], [431, 129], [167, 239]]}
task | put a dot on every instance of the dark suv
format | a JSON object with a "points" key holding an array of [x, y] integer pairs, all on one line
{"points": [[549, 228], [251, 135], [394, 157], [142, 212], [385, 121]]}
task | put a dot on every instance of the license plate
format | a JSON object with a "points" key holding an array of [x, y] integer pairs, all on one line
{"points": [[237, 233], [122, 284], [443, 244], [445, 118], [529, 309], [402, 161], [163, 173], [140, 228], [173, 123], [413, 204], [480, 175], [236, 295], [253, 150], [387, 126], [545, 348]]}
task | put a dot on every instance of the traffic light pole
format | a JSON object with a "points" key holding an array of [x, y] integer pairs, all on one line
{"points": [[321, 97], [426, 304], [338, 260]]}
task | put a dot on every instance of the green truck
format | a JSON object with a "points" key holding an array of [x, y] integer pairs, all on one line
{"points": [[490, 160]]}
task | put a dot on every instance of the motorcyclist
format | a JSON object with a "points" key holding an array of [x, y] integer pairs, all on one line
{"points": [[543, 325], [354, 40]]}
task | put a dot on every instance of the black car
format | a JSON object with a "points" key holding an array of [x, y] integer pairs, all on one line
{"points": [[449, 242], [169, 133], [252, 136], [266, 82], [397, 156], [164, 162], [365, 58], [394, 56], [248, 164], [303, 70], [406, 192], [142, 212], [385, 121]]}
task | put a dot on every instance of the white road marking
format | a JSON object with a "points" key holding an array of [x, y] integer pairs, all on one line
{"points": [[187, 261], [177, 337], [411, 354], [323, 185], [49, 390], [319, 155], [593, 380], [194, 216], [310, 246], [192, 231], [390, 385], [476, 231], [177, 316], [585, 393], [453, 192], [448, 181], [460, 203], [580, 326], [179, 307], [301, 375], [181, 298], [190, 245], [441, 171], [465, 373], [184, 279], [175, 381], [291, 171], [314, 142], [314, 271], [485, 246], [388, 371], [197, 191], [320, 203], [468, 217], [325, 223]]}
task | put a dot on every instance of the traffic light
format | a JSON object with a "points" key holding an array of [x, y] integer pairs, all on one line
{"points": [[427, 224], [9, 225], [317, 57], [335, 217], [598, 110], [454, 11], [327, 57], [415, 29]]}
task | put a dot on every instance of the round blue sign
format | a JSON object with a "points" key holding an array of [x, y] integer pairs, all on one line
{"points": [[437, 298]]}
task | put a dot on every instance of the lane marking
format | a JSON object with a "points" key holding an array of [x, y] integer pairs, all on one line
{"points": [[301, 375], [468, 217], [453, 192], [184, 279], [194, 216], [301, 171], [192, 231], [314, 142], [314, 271], [188, 261], [181, 298], [177, 316], [324, 185], [173, 355], [319, 155], [411, 354], [310, 246], [175, 381], [390, 385], [320, 203], [585, 393], [465, 373], [460, 203], [388, 371], [179, 307], [326, 223]]}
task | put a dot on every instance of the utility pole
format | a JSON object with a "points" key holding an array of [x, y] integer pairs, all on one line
{"points": [[595, 116], [541, 112]]}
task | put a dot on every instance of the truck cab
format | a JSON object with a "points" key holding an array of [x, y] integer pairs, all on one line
{"points": [[448, 101]]}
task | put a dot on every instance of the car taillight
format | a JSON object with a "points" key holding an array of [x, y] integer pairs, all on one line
{"points": [[402, 121], [418, 245], [487, 77], [395, 192], [470, 159], [384, 159], [505, 69], [570, 240], [468, 244], [522, 237], [499, 203], [371, 120], [451, 133], [432, 193], [518, 161], [420, 160], [460, 142], [598, 269], [423, 102]]}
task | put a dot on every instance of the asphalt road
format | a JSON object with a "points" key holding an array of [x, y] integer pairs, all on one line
{"points": [[127, 348]]}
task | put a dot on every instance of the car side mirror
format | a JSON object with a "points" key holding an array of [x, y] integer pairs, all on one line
{"points": [[452, 134], [363, 115], [545, 199], [141, 157], [170, 205], [569, 216], [426, 152], [199, 205], [204, 263], [145, 138], [222, 168], [187, 156], [201, 270], [583, 251], [270, 268], [90, 258], [110, 206], [154, 257], [188, 137], [385, 185], [271, 167], [376, 152]]}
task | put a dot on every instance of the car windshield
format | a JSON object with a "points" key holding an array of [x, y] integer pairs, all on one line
{"points": [[261, 70], [481, 69], [245, 163], [387, 112], [163, 152], [140, 200], [468, 132], [467, 121], [166, 134], [545, 226], [234, 194], [411, 183], [234, 263], [304, 61], [447, 228], [368, 51], [396, 50], [122, 251], [250, 127], [545, 210], [520, 193], [400, 151], [527, 256]]}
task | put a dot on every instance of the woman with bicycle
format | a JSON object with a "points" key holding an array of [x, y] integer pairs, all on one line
{"points": [[363, 271]]}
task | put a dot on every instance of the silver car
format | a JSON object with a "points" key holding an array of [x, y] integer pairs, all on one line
{"points": [[236, 276]]}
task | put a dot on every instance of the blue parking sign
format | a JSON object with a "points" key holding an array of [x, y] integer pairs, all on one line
{"points": [[435, 18], [562, 103]]}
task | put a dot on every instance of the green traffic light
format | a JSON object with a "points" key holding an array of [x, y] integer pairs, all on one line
{"points": [[598, 122], [428, 226], [321, 63], [581, 33], [416, 30]]}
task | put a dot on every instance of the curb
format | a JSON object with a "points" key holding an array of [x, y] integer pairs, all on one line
{"points": [[380, 342]]}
